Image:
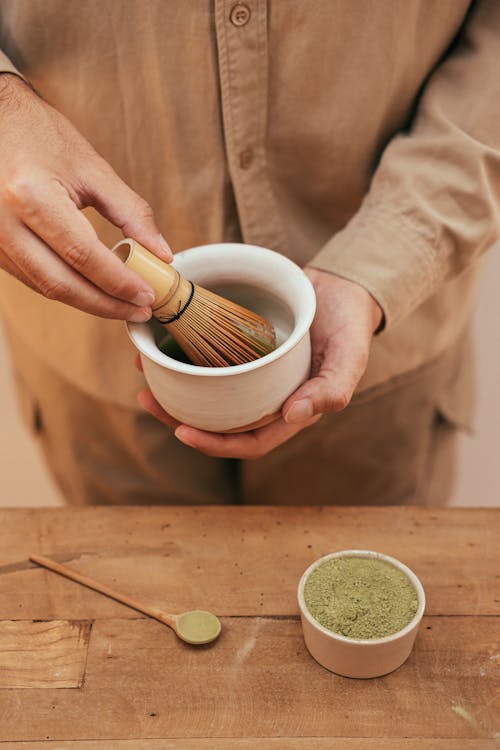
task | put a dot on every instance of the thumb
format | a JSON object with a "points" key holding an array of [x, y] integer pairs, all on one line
{"points": [[124, 208], [332, 388]]}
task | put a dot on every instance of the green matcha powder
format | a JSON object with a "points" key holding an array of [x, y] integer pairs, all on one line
{"points": [[360, 597]]}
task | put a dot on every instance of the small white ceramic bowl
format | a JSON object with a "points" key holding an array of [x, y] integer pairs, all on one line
{"points": [[225, 399], [359, 658]]}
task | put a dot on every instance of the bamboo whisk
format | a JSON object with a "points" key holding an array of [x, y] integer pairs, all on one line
{"points": [[211, 330]]}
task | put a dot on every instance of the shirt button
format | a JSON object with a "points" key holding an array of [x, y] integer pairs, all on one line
{"points": [[240, 14], [246, 158]]}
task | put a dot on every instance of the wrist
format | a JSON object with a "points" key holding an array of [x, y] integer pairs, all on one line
{"points": [[11, 85], [373, 313]]}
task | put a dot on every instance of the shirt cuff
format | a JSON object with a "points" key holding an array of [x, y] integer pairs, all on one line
{"points": [[7, 67], [388, 254]]}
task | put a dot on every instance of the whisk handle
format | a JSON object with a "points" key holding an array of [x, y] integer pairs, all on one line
{"points": [[172, 292]]}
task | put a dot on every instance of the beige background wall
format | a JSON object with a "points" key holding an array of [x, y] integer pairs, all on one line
{"points": [[24, 480]]}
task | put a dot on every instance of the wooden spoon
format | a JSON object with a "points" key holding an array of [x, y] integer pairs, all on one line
{"points": [[196, 627]]}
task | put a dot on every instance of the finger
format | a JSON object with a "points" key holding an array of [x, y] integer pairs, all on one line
{"points": [[118, 203], [138, 363], [54, 279], [332, 389], [53, 216], [245, 445], [11, 268], [150, 404]]}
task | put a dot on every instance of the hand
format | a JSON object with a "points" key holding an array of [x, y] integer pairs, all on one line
{"points": [[341, 334], [48, 171]]}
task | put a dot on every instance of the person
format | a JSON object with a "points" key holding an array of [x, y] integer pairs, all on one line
{"points": [[360, 140]]}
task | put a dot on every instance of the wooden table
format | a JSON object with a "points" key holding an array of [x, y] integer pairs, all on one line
{"points": [[79, 671]]}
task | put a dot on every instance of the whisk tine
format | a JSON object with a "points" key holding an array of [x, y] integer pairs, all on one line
{"points": [[233, 332], [221, 333], [230, 347]]}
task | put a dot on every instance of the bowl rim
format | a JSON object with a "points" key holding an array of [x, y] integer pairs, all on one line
{"points": [[367, 554], [299, 331]]}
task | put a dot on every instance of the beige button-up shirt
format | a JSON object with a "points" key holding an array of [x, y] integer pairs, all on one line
{"points": [[359, 137]]}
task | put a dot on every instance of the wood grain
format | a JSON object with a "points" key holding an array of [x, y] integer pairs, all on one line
{"points": [[43, 654], [233, 562], [259, 680], [257, 687], [268, 743]]}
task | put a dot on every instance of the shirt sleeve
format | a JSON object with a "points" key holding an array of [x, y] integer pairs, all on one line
{"points": [[434, 201], [6, 66]]}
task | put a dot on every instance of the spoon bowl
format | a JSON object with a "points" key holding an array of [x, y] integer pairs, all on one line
{"points": [[197, 627]]}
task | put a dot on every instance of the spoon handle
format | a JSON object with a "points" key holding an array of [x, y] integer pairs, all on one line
{"points": [[46, 562]]}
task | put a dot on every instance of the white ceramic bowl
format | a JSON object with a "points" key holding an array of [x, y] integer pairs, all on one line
{"points": [[359, 658], [222, 399]]}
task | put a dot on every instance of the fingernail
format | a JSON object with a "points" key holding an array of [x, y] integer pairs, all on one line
{"points": [[165, 246], [144, 298], [299, 412], [140, 316], [180, 434]]}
